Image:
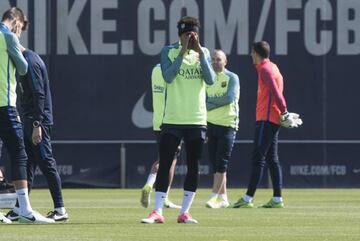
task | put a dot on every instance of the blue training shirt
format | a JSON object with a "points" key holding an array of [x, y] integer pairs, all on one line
{"points": [[36, 101]]}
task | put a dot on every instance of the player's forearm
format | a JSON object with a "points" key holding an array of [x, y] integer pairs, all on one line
{"points": [[208, 72], [278, 96], [170, 69], [15, 54], [229, 96], [39, 106], [210, 106], [220, 101]]}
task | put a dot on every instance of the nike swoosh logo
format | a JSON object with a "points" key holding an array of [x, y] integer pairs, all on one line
{"points": [[141, 117], [31, 219], [356, 170]]}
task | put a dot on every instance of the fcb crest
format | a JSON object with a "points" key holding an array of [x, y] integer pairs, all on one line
{"points": [[223, 84]]}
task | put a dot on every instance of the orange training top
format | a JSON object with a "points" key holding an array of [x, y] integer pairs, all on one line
{"points": [[270, 100]]}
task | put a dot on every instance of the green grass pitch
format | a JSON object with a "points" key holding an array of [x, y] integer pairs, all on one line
{"points": [[114, 214]]}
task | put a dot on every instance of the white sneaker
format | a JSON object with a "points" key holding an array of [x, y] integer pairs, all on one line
{"points": [[4, 219], [223, 204], [212, 203], [36, 218], [55, 215], [12, 215], [170, 204]]}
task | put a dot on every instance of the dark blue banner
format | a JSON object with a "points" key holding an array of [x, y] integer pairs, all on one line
{"points": [[100, 55]]}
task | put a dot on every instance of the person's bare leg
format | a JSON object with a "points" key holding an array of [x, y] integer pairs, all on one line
{"points": [[172, 172], [217, 185], [20, 184], [219, 179], [223, 193], [154, 167]]}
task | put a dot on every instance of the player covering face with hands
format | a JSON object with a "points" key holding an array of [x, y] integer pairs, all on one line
{"points": [[186, 70], [190, 40]]}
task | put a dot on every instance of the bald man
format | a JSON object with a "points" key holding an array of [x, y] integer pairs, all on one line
{"points": [[222, 123]]}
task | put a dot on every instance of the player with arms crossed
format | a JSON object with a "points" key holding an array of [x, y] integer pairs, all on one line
{"points": [[223, 119]]}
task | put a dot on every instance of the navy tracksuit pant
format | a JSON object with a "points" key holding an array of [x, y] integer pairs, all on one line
{"points": [[265, 152], [41, 155]]}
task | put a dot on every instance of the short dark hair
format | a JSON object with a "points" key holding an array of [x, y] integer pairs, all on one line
{"points": [[189, 20], [262, 48], [16, 13], [187, 23]]}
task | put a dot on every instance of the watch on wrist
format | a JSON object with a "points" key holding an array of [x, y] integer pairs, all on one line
{"points": [[36, 124]]}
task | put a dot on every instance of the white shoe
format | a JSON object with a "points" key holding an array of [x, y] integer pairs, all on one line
{"points": [[170, 204], [212, 203], [36, 218], [223, 204], [4, 219], [57, 217]]}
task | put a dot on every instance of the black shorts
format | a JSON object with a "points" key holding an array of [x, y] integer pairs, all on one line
{"points": [[157, 136], [186, 134], [220, 144]]}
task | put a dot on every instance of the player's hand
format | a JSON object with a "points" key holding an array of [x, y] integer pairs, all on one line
{"points": [[185, 43], [36, 135], [17, 28], [196, 43], [290, 120]]}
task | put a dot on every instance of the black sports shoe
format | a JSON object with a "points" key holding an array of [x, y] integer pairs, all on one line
{"points": [[56, 216], [6, 187], [12, 216]]}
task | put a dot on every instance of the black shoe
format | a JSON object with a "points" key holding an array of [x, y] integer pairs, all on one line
{"points": [[12, 216], [6, 187], [55, 215]]}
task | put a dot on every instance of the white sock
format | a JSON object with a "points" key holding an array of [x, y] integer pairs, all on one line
{"points": [[159, 201], [277, 199], [187, 201], [151, 179], [16, 210], [60, 210], [24, 203], [213, 195], [247, 198], [224, 197]]}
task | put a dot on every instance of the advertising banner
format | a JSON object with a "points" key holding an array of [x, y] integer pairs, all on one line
{"points": [[100, 55]]}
